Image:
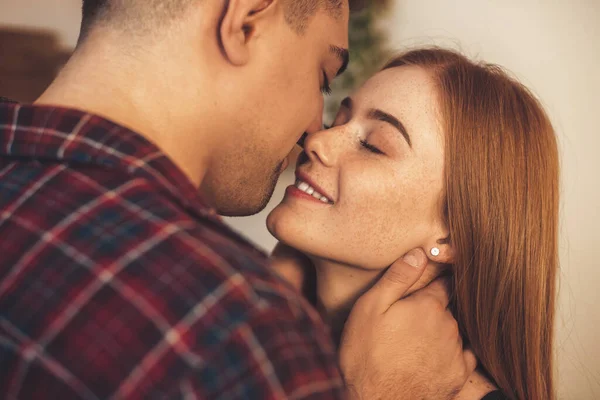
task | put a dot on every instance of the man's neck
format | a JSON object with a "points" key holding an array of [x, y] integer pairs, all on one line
{"points": [[338, 288], [103, 80]]}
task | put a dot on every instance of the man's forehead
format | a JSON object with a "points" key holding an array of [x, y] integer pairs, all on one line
{"points": [[338, 14], [331, 30], [335, 30], [344, 18], [338, 9]]}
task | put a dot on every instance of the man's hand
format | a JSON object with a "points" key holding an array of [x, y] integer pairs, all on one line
{"points": [[404, 349]]}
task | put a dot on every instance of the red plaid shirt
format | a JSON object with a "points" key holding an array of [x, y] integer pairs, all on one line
{"points": [[116, 281]]}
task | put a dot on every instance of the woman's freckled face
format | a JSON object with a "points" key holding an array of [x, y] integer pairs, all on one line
{"points": [[384, 204]]}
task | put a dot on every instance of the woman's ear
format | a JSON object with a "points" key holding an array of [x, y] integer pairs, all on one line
{"points": [[441, 251], [238, 26]]}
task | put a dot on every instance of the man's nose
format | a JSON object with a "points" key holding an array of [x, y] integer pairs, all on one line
{"points": [[315, 126], [302, 140]]}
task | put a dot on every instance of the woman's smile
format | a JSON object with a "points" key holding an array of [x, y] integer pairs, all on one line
{"points": [[305, 187]]}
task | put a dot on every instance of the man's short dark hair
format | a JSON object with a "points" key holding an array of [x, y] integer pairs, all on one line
{"points": [[140, 15], [134, 15], [299, 12]]}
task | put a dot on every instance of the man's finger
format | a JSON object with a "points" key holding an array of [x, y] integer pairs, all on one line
{"points": [[396, 281], [437, 289]]}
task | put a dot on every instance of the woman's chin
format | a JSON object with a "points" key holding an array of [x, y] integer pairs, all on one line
{"points": [[298, 231], [284, 226], [284, 223], [281, 225], [274, 223]]}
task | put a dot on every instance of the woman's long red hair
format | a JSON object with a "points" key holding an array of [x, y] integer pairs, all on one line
{"points": [[501, 190]]}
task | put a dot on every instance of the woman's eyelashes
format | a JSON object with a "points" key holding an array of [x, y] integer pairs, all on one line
{"points": [[365, 145], [368, 146]]}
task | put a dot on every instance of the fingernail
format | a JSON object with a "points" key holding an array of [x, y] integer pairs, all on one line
{"points": [[413, 258]]}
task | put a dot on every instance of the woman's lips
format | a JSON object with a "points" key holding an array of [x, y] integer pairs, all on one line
{"points": [[293, 191], [303, 178], [303, 188]]}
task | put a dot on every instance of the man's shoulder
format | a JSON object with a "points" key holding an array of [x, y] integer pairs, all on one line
{"points": [[93, 218], [129, 285], [107, 219], [121, 274]]}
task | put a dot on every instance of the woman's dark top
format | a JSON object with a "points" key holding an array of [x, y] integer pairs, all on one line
{"points": [[495, 395]]}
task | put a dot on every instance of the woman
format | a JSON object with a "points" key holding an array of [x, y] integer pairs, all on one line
{"points": [[457, 158]]}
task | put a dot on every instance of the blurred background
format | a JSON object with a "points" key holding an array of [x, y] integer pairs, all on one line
{"points": [[551, 46]]}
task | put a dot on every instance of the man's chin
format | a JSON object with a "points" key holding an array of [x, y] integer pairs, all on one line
{"points": [[241, 211], [243, 208], [249, 199], [246, 206]]}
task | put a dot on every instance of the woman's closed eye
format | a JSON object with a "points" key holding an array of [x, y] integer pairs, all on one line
{"points": [[365, 145], [368, 146]]}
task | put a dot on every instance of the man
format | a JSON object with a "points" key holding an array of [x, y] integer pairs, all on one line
{"points": [[118, 280]]}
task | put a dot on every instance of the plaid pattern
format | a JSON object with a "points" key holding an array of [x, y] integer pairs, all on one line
{"points": [[117, 281]]}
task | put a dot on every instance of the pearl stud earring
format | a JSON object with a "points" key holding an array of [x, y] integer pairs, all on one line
{"points": [[435, 252]]}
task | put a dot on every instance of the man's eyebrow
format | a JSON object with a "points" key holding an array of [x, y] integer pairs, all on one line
{"points": [[343, 55], [390, 119]]}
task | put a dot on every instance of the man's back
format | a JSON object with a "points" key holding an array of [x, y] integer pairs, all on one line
{"points": [[117, 281]]}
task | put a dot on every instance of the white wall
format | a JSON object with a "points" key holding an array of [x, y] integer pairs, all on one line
{"points": [[554, 47], [62, 16]]}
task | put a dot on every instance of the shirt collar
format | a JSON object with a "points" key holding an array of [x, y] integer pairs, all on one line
{"points": [[68, 135]]}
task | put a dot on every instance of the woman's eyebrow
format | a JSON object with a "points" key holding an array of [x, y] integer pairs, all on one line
{"points": [[379, 115]]}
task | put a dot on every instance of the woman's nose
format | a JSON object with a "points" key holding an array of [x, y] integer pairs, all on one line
{"points": [[324, 146]]}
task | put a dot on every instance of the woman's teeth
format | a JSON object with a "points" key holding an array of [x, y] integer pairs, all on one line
{"points": [[306, 188]]}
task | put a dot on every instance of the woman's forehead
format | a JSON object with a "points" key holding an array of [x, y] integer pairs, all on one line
{"points": [[399, 85], [408, 93]]}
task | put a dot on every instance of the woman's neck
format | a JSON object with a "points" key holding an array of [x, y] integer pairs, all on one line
{"points": [[338, 288]]}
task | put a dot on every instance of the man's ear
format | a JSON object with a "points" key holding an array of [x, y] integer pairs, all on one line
{"points": [[238, 26]]}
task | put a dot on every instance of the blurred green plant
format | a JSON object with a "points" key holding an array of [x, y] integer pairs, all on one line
{"points": [[368, 50]]}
